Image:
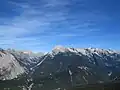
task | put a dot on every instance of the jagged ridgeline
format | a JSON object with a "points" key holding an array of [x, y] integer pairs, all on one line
{"points": [[60, 69]]}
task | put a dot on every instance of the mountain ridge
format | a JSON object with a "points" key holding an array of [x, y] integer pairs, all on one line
{"points": [[64, 67]]}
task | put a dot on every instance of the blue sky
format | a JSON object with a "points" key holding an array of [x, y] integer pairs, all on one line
{"points": [[39, 25]]}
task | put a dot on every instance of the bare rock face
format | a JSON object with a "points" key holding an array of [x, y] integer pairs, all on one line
{"points": [[9, 66], [15, 63]]}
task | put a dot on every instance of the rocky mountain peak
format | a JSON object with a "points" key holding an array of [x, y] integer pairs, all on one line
{"points": [[84, 51], [58, 49], [63, 66]]}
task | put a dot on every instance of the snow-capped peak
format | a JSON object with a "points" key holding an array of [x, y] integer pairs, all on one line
{"points": [[82, 51], [59, 48]]}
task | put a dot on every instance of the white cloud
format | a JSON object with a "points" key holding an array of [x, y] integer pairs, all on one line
{"points": [[29, 20], [56, 3], [33, 19]]}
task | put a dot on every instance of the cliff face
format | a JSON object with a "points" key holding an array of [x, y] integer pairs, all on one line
{"points": [[14, 64], [9, 66]]}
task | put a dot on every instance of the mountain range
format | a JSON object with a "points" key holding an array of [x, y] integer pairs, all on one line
{"points": [[59, 69]]}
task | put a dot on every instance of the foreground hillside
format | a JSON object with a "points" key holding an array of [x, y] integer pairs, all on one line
{"points": [[59, 69], [19, 85], [114, 85]]}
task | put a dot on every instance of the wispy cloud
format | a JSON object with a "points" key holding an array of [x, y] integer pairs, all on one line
{"points": [[41, 22], [31, 20]]}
